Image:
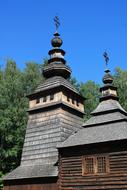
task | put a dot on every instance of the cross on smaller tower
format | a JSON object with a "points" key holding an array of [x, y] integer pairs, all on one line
{"points": [[57, 22], [105, 55]]}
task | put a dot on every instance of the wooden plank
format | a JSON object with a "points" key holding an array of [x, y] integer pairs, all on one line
{"points": [[49, 186], [71, 174]]}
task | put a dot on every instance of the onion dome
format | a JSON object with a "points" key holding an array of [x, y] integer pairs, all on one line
{"points": [[56, 63], [56, 41], [108, 91], [56, 54], [107, 79]]}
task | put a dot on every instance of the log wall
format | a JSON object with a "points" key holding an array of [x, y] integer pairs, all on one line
{"points": [[31, 187], [31, 184], [71, 178]]}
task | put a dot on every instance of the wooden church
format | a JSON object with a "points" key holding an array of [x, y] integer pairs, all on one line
{"points": [[62, 153]]}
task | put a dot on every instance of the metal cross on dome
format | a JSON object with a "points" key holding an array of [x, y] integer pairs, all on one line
{"points": [[105, 55], [57, 22]]}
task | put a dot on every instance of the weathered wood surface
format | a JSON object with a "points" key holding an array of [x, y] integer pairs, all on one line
{"points": [[31, 187], [32, 184], [44, 131], [71, 178]]}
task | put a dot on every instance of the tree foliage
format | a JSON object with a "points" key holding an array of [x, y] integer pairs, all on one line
{"points": [[90, 90], [120, 80], [14, 85], [75, 83]]}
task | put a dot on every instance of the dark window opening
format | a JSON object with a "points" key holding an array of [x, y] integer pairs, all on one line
{"points": [[51, 96], [73, 102], [68, 98], [37, 100], [44, 99]]}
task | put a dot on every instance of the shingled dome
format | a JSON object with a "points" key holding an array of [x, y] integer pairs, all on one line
{"points": [[56, 41], [107, 79]]}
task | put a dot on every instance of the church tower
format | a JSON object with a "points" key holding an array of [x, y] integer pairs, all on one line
{"points": [[56, 111]]}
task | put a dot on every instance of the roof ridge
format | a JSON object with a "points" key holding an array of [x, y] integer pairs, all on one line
{"points": [[103, 123]]}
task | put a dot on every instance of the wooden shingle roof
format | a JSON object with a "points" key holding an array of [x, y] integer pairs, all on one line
{"points": [[108, 123], [33, 171]]}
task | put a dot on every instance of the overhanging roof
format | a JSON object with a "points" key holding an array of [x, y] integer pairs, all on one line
{"points": [[32, 171], [55, 82], [97, 134], [108, 123]]}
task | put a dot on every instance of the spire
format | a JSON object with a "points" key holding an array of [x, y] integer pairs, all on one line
{"points": [[109, 91], [56, 63]]}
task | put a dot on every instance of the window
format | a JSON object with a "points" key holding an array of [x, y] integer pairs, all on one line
{"points": [[106, 92], [51, 96], [68, 98], [101, 164], [73, 102], [37, 100], [95, 165], [44, 99], [89, 165]]}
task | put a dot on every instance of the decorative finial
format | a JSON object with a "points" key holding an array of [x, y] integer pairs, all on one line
{"points": [[105, 55], [57, 22], [107, 79]]}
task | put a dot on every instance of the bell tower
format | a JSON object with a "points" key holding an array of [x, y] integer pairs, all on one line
{"points": [[56, 111]]}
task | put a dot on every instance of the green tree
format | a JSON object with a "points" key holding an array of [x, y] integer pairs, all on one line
{"points": [[31, 76], [120, 80], [12, 116], [14, 85], [1, 183], [90, 90], [75, 83]]}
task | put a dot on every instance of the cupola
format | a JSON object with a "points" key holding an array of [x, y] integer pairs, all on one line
{"points": [[108, 91], [56, 63]]}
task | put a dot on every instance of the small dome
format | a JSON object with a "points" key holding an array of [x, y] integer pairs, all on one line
{"points": [[56, 41], [107, 79]]}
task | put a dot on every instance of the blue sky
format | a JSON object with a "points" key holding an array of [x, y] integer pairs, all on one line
{"points": [[88, 28]]}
